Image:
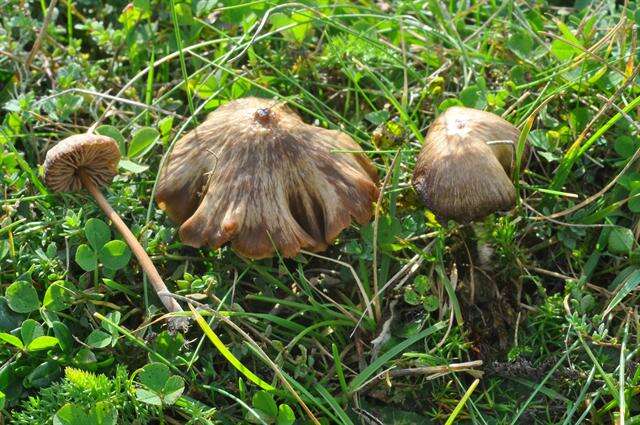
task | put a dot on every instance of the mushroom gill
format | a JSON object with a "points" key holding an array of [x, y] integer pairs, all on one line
{"points": [[256, 175], [95, 155]]}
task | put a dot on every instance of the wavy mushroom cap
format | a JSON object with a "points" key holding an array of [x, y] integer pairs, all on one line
{"points": [[460, 174], [256, 175], [97, 156]]}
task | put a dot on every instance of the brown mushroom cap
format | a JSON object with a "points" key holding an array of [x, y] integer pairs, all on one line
{"points": [[97, 156], [458, 175], [255, 174]]}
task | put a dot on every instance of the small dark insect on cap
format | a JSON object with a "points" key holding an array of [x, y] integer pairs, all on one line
{"points": [[263, 115], [463, 171], [95, 155]]}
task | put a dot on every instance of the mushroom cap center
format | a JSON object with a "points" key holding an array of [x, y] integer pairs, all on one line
{"points": [[458, 126], [263, 115]]}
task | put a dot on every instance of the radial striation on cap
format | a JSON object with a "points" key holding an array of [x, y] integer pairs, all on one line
{"points": [[254, 174], [463, 170], [95, 155]]}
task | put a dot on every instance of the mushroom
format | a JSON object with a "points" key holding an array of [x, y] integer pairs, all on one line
{"points": [[254, 174], [91, 161], [463, 171]]}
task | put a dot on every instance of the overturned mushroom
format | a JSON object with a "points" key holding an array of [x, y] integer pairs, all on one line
{"points": [[256, 175], [91, 161], [463, 171]]}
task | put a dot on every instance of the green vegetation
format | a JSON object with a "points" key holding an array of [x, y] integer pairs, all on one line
{"points": [[539, 325]]}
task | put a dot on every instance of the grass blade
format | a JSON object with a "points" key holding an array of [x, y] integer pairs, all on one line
{"points": [[226, 353], [362, 377], [344, 418], [462, 402]]}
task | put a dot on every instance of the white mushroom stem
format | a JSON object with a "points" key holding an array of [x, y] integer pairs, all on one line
{"points": [[145, 262]]}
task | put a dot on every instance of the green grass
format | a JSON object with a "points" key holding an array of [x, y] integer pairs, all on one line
{"points": [[553, 316]]}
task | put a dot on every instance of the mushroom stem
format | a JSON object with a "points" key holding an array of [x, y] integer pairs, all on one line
{"points": [[470, 242], [145, 262]]}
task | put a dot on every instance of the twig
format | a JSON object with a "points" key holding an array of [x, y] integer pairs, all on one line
{"points": [[596, 288], [385, 332], [17, 59], [408, 269], [431, 372], [515, 104], [115, 99], [43, 30], [437, 370], [541, 216], [365, 297], [446, 334], [312, 282]]}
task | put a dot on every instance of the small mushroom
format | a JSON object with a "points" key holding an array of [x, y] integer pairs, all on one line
{"points": [[256, 175], [91, 161], [463, 171]]}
